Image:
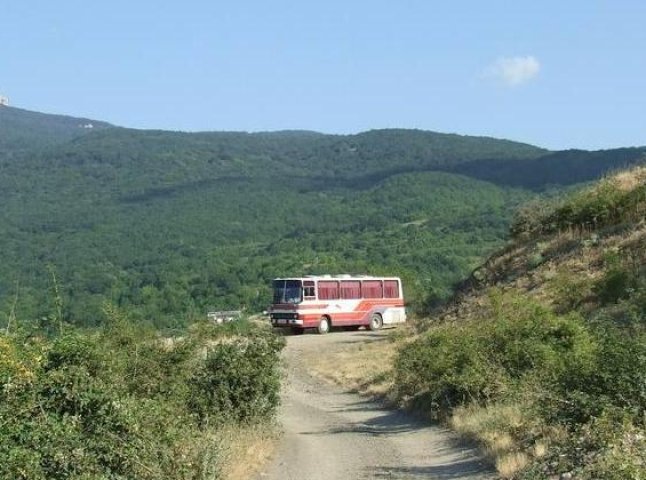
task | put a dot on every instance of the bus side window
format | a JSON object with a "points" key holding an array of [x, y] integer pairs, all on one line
{"points": [[328, 290], [391, 289], [372, 289], [351, 289], [308, 290]]}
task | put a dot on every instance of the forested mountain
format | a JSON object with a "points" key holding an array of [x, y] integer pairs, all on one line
{"points": [[22, 129], [554, 169], [170, 223]]}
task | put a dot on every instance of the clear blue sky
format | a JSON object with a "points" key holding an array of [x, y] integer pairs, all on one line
{"points": [[559, 74]]}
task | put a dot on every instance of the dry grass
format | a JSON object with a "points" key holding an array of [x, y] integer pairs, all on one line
{"points": [[635, 239], [492, 427], [363, 367], [569, 253], [498, 444], [540, 449], [247, 449], [629, 180], [489, 422], [508, 465]]}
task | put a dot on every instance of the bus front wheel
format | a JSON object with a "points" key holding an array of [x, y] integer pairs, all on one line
{"points": [[324, 325], [376, 322]]}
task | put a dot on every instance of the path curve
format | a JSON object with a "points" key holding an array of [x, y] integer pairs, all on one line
{"points": [[330, 433]]}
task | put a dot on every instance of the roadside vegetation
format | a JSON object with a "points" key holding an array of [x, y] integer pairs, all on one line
{"points": [[123, 402], [541, 355]]}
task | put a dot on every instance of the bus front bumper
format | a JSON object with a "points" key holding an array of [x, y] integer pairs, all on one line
{"points": [[284, 322]]}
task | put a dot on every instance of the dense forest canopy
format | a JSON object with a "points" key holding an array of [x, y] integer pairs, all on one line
{"points": [[170, 224]]}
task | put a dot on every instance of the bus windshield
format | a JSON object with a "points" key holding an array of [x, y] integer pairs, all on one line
{"points": [[287, 291]]}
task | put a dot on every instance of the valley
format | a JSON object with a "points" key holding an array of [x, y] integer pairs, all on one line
{"points": [[171, 224]]}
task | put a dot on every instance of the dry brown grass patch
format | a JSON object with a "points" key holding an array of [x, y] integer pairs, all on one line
{"points": [[508, 465], [631, 179], [246, 450], [361, 366], [492, 426], [540, 449], [497, 443]]}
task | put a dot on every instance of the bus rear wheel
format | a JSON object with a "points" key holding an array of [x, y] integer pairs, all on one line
{"points": [[324, 325], [376, 322]]}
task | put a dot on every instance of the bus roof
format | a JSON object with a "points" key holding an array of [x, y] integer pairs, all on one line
{"points": [[338, 277]]}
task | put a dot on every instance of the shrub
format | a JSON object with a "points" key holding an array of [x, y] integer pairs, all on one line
{"points": [[73, 349], [625, 275], [613, 379], [68, 419], [520, 341], [115, 404], [529, 216], [239, 380], [445, 368], [578, 384], [569, 290], [16, 367]]}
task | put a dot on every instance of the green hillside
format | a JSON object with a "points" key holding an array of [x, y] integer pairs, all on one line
{"points": [[22, 129], [169, 224], [554, 169]]}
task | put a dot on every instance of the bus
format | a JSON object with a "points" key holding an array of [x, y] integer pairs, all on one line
{"points": [[326, 301]]}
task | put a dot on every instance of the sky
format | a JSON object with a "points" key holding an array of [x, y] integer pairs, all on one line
{"points": [[558, 74]]}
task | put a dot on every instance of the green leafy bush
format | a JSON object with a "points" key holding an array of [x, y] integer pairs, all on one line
{"points": [[485, 360], [569, 290], [613, 380], [445, 368], [625, 276], [238, 380], [115, 403], [66, 422]]}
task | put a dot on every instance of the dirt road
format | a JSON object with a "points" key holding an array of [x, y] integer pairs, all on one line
{"points": [[332, 434]]}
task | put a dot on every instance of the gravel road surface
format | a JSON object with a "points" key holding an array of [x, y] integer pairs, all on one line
{"points": [[333, 434]]}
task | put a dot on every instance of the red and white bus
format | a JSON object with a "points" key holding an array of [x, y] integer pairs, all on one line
{"points": [[327, 301]]}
